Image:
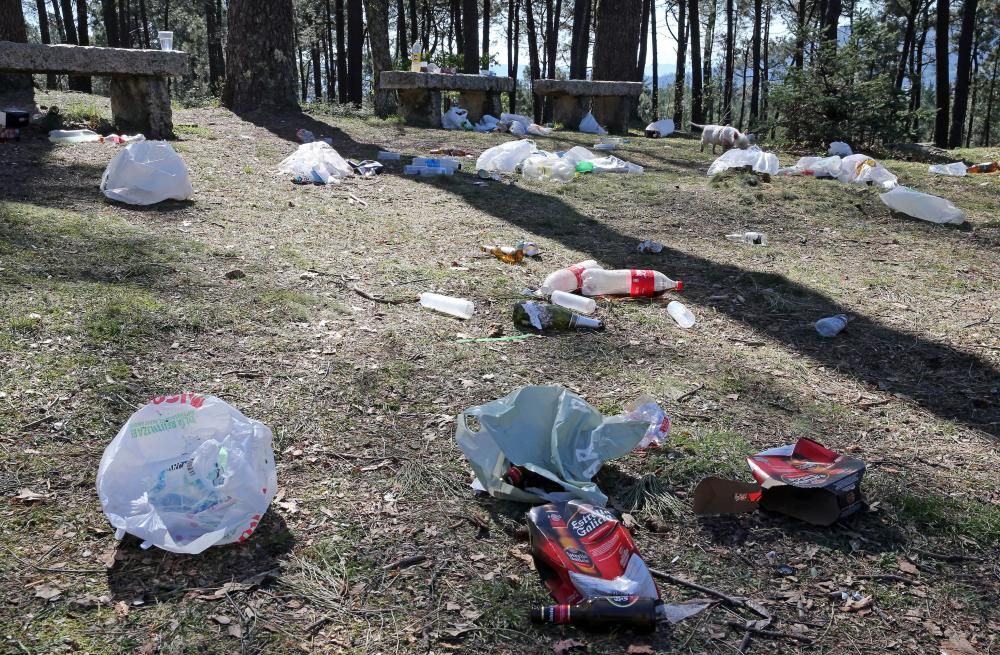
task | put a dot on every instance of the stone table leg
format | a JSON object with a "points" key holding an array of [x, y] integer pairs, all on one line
{"points": [[142, 104], [493, 106], [612, 113], [473, 102], [569, 110], [420, 107]]}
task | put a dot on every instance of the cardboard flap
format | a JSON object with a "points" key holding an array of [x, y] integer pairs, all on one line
{"points": [[816, 506], [717, 496]]}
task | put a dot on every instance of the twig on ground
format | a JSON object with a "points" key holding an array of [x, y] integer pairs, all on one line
{"points": [[404, 562], [982, 322], [770, 633], [315, 625], [946, 557], [745, 644], [887, 577], [386, 301], [28, 426], [732, 601], [684, 396]]}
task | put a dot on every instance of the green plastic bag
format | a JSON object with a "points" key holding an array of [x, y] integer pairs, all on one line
{"points": [[550, 431]]}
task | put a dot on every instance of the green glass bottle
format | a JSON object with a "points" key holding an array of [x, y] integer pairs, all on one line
{"points": [[543, 316]]}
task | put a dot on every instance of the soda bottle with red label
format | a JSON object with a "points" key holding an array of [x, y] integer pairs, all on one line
{"points": [[627, 282]]}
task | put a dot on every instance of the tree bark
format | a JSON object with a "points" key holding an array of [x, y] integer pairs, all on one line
{"points": [[378, 39], [331, 92], [708, 38], [109, 14], [917, 88], [13, 28], [580, 43], [216, 62], [975, 90], [765, 69], [355, 52], [941, 75], [963, 72], [260, 54], [60, 30], [831, 20], [616, 40], [654, 95], [144, 19], [470, 20], [640, 68], [697, 112], [124, 33], [69, 20], [342, 82], [82, 82], [513, 26], [485, 44], [533, 67], [51, 81], [909, 34], [799, 56], [730, 62], [166, 14], [755, 91], [679, 74], [317, 72], [401, 45], [413, 21]]}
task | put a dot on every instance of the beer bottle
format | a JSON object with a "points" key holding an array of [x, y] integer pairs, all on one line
{"points": [[605, 613], [522, 478], [506, 254], [985, 167], [542, 316]]}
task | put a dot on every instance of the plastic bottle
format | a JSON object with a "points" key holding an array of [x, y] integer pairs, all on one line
{"points": [[752, 238], [543, 170], [506, 254], [602, 613], [985, 167], [74, 136], [627, 282], [431, 162], [542, 316], [567, 279], [387, 155], [831, 325], [574, 302], [459, 307], [681, 314], [416, 57]]}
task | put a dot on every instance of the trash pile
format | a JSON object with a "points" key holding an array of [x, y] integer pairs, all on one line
{"points": [[316, 162], [539, 165], [758, 160], [89, 136], [852, 169]]}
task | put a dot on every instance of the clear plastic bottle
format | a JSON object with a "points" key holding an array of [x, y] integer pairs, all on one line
{"points": [[751, 238], [459, 307], [627, 282], [681, 314], [574, 302], [567, 279], [831, 326], [549, 169]]}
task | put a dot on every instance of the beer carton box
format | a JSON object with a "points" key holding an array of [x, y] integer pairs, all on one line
{"points": [[804, 480]]}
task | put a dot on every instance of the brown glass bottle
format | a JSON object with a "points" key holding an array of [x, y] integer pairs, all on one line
{"points": [[604, 613], [506, 254], [522, 478], [985, 167]]}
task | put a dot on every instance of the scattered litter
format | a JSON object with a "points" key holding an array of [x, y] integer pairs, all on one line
{"points": [[681, 314], [555, 169], [644, 408], [506, 254], [568, 279], [387, 155], [573, 302], [74, 136], [428, 171], [318, 162], [549, 431], [956, 169], [187, 472], [145, 173], [754, 157], [590, 125], [530, 248], [533, 314], [486, 124], [612, 164], [451, 152], [986, 167], [456, 118], [831, 326], [627, 282], [605, 146], [660, 128], [443, 162], [505, 157], [862, 169], [785, 570], [749, 238], [923, 206], [458, 307], [840, 149], [366, 168], [806, 481]]}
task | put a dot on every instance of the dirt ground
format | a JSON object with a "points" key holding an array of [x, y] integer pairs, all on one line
{"points": [[104, 306]]}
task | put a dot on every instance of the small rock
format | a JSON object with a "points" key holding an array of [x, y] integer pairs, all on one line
{"points": [[235, 274], [784, 569]]}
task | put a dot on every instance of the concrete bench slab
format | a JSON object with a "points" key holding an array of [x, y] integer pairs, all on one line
{"points": [[140, 100], [610, 101], [420, 94]]}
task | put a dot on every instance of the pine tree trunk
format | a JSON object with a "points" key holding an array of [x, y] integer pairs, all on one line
{"points": [[975, 90], [551, 44], [331, 91], [485, 44], [679, 74], [144, 18], [640, 68], [580, 44], [755, 91], [941, 76], [917, 88], [708, 38], [730, 63], [166, 15], [765, 69], [400, 30], [963, 72], [909, 34], [697, 112], [470, 47], [413, 21], [317, 72], [616, 39], [831, 21], [458, 23], [51, 82], [109, 14], [124, 33], [260, 54], [355, 52], [533, 67], [378, 39], [13, 28], [654, 95], [69, 20], [984, 140], [341, 53], [513, 25], [743, 90], [800, 35], [81, 83], [57, 14]]}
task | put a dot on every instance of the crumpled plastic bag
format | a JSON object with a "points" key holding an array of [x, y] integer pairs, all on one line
{"points": [[646, 409], [577, 154], [539, 130], [612, 164], [456, 118], [862, 169], [316, 161], [506, 157], [660, 128], [518, 129], [187, 472], [923, 206], [760, 161], [515, 118], [145, 173], [840, 149], [590, 125], [486, 124], [956, 169], [550, 431]]}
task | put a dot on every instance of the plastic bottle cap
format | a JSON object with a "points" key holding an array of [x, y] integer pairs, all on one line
{"points": [[680, 285]]}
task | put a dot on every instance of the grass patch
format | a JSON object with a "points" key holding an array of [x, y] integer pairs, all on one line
{"points": [[942, 516], [124, 313], [85, 114], [720, 453], [195, 131]]}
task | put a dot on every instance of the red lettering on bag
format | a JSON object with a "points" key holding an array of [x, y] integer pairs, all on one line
{"points": [[187, 397]]}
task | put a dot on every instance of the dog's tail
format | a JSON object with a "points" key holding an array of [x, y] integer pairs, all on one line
{"points": [[695, 126]]}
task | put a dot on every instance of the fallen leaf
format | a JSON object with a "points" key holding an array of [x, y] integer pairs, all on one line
{"points": [[221, 619], [636, 649], [523, 556], [107, 558], [564, 646], [957, 645], [147, 648], [47, 592], [907, 566], [28, 496], [121, 609], [855, 605], [471, 615], [235, 630], [453, 607], [933, 628], [458, 630]]}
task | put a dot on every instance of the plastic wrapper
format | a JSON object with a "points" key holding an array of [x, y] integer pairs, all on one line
{"points": [[145, 173], [318, 162]]}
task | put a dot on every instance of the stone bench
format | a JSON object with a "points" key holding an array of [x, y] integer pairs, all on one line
{"points": [[609, 101], [140, 100], [420, 94]]}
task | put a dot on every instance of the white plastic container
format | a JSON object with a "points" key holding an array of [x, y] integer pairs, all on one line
{"points": [[628, 282], [74, 136], [568, 279], [572, 301], [427, 171], [459, 307], [166, 40], [681, 314], [923, 206], [831, 326], [385, 155], [750, 238]]}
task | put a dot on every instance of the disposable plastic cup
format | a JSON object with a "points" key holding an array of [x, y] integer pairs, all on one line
{"points": [[166, 40], [574, 302], [681, 314], [459, 307]]}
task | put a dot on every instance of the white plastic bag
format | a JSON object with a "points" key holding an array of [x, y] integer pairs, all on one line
{"points": [[577, 154], [74, 136], [539, 130], [956, 169], [923, 206], [506, 156], [660, 128], [145, 173], [590, 125], [187, 472], [760, 161], [516, 118], [612, 164], [518, 129], [825, 167], [316, 161], [486, 124], [456, 118], [840, 149], [646, 409], [862, 169]]}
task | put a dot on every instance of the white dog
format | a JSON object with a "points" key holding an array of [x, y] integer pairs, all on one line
{"points": [[722, 135]]}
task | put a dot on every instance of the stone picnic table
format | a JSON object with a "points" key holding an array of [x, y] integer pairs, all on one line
{"points": [[420, 94], [140, 99], [609, 101]]}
